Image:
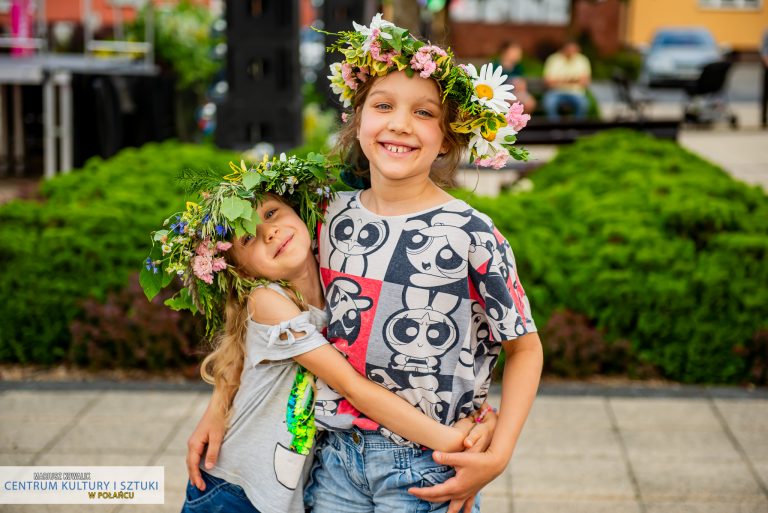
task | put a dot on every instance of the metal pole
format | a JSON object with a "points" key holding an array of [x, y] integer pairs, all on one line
{"points": [[3, 133], [42, 25], [149, 34], [18, 131], [49, 128], [64, 82], [87, 23]]}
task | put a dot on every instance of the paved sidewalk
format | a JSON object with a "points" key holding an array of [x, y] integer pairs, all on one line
{"points": [[584, 449]]}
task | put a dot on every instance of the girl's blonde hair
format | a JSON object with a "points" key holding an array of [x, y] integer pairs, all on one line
{"points": [[224, 365], [443, 169]]}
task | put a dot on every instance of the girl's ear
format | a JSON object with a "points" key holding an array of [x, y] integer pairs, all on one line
{"points": [[444, 147]]}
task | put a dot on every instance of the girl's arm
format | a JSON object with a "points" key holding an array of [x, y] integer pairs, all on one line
{"points": [[395, 413], [378, 403], [522, 372]]}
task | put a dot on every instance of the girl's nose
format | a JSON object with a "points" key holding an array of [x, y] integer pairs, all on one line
{"points": [[270, 232], [400, 123]]}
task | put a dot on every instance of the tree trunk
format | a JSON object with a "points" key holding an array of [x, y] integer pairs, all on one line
{"points": [[405, 13]]}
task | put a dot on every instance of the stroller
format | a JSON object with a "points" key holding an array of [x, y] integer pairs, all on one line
{"points": [[706, 102]]}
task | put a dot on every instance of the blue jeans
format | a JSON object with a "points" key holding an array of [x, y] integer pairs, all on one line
{"points": [[363, 472], [219, 497], [553, 100]]}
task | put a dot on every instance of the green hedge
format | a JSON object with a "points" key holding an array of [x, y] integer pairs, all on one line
{"points": [[652, 244], [636, 255], [83, 240]]}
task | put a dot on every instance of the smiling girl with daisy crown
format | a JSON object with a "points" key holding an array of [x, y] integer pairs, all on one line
{"points": [[422, 290]]}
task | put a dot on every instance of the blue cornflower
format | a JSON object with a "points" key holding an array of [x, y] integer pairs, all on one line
{"points": [[206, 218], [221, 229], [148, 264]]}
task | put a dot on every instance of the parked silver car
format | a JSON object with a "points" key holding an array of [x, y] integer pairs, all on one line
{"points": [[676, 56]]}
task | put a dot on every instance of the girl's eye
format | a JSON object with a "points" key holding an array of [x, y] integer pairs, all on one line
{"points": [[269, 213], [424, 113], [382, 106], [246, 239]]}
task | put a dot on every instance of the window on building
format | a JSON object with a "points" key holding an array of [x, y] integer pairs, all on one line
{"points": [[731, 4], [539, 12]]}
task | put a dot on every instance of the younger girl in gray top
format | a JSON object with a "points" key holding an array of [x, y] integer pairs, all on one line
{"points": [[247, 263]]}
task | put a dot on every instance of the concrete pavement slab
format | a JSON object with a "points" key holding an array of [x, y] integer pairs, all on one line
{"points": [[743, 414], [683, 445], [565, 441], [759, 506], [45, 402], [578, 413], [115, 435], [664, 414], [17, 433], [562, 478], [496, 503], [573, 506], [694, 481]]}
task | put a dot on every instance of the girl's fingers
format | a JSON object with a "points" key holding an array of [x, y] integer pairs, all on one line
{"points": [[214, 444], [194, 452]]}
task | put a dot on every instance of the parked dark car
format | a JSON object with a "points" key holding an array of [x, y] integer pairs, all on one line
{"points": [[677, 55]]}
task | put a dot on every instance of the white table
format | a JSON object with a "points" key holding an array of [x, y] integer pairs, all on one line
{"points": [[54, 72]]}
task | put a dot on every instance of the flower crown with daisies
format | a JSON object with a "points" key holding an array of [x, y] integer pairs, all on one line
{"points": [[484, 114], [192, 242]]}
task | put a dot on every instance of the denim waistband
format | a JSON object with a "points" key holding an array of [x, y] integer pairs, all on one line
{"points": [[365, 439]]}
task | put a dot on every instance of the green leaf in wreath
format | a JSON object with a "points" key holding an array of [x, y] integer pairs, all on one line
{"points": [[252, 179], [181, 301], [233, 208], [151, 282]]}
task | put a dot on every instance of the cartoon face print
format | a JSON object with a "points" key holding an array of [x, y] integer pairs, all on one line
{"points": [[437, 250], [486, 249], [345, 304], [353, 239], [498, 306], [477, 346], [327, 400], [423, 331]]}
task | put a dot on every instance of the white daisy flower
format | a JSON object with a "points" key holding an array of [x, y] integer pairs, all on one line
{"points": [[485, 148], [490, 89], [338, 86], [376, 29]]}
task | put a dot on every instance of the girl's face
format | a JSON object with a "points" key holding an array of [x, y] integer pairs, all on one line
{"points": [[400, 128], [281, 248]]}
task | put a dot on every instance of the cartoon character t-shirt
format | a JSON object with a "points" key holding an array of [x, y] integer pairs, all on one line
{"points": [[418, 303]]}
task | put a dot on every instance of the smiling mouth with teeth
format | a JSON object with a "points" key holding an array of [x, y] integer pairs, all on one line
{"points": [[397, 149]]}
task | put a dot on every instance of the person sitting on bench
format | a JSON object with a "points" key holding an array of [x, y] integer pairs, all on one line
{"points": [[567, 74]]}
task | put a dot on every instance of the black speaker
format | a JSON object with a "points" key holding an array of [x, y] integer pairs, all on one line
{"points": [[338, 15], [263, 102]]}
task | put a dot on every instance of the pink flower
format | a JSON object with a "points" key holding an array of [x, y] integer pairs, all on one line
{"points": [[363, 74], [202, 266], [348, 76], [204, 248], [379, 56], [429, 68], [223, 246], [498, 161], [344, 117], [515, 117], [219, 264]]}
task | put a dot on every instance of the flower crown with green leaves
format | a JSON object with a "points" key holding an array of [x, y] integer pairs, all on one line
{"points": [[483, 114], [192, 242]]}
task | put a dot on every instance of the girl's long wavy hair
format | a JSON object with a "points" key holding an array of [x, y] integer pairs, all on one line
{"points": [[224, 364], [443, 169]]}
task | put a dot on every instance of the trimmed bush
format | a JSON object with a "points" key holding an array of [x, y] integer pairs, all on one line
{"points": [[84, 240], [652, 244]]}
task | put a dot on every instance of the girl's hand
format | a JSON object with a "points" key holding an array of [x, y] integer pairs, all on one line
{"points": [[479, 438], [473, 472], [209, 431]]}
